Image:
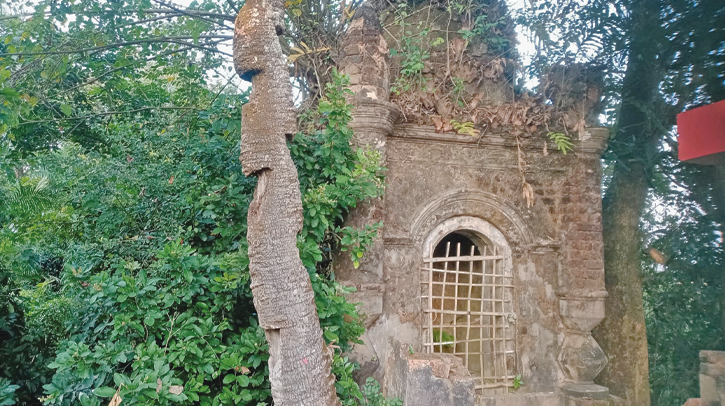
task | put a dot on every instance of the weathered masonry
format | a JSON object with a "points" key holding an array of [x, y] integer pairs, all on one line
{"points": [[470, 291]]}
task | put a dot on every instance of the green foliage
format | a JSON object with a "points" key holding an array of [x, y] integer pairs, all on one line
{"points": [[443, 337], [335, 177], [466, 127], [517, 382], [459, 86], [171, 321], [7, 392], [373, 396], [679, 297], [29, 195], [357, 240], [412, 53], [486, 31], [347, 389], [135, 276], [562, 141]]}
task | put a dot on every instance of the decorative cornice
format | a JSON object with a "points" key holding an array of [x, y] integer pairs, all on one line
{"points": [[371, 114], [592, 141]]}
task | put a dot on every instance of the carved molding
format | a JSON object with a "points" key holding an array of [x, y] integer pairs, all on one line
{"points": [[594, 141], [398, 242], [458, 203], [581, 358]]}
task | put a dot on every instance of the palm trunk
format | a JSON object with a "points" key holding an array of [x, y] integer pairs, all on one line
{"points": [[299, 362], [623, 333]]}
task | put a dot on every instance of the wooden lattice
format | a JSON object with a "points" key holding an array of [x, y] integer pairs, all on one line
{"points": [[468, 303]]}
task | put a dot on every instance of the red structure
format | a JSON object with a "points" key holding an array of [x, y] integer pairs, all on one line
{"points": [[702, 134]]}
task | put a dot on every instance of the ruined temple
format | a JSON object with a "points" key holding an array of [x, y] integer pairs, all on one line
{"points": [[487, 277]]}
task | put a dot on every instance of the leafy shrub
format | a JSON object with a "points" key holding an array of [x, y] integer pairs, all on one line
{"points": [[166, 325], [373, 397], [135, 279], [7, 392]]}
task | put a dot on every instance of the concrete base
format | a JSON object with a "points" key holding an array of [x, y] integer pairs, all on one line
{"points": [[522, 399], [585, 391], [427, 379]]}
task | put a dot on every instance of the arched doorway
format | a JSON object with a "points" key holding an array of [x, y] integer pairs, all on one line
{"points": [[467, 297]]}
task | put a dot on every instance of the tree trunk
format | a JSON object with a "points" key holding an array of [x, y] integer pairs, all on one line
{"points": [[299, 362], [714, 177], [622, 334]]}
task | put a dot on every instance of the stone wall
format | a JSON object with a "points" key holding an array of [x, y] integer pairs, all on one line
{"points": [[554, 245], [712, 380]]}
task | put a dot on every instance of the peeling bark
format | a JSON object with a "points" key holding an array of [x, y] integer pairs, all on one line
{"points": [[299, 362]]}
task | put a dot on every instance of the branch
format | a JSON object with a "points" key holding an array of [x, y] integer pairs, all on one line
{"points": [[192, 13], [232, 5], [108, 113], [148, 20], [106, 73], [188, 13], [173, 40]]}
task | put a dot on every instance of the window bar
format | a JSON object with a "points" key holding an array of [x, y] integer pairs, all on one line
{"points": [[455, 298], [494, 271], [481, 317], [495, 341], [431, 349], [443, 296], [504, 325], [468, 324]]}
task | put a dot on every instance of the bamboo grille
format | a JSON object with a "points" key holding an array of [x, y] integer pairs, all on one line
{"points": [[468, 302]]}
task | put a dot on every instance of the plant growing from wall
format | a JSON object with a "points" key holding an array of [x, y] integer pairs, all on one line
{"points": [[487, 31], [442, 337], [466, 127], [412, 62], [518, 382], [374, 397], [562, 141], [412, 52]]}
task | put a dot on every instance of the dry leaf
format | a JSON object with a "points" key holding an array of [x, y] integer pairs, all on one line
{"points": [[447, 126], [476, 99], [657, 256], [159, 385], [528, 193], [427, 102], [438, 122], [176, 389], [458, 45]]}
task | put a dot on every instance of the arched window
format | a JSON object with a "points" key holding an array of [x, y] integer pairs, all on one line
{"points": [[468, 302]]}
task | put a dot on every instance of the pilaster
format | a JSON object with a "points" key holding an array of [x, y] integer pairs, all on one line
{"points": [[581, 278], [365, 59]]}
